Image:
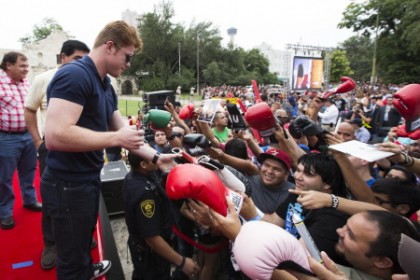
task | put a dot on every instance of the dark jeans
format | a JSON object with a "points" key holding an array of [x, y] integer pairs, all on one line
{"points": [[47, 231], [73, 208]]}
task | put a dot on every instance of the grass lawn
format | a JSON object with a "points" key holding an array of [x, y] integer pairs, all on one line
{"points": [[130, 106]]}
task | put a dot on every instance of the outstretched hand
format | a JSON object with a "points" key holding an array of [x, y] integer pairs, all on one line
{"points": [[312, 199], [328, 271], [229, 226], [166, 161], [392, 148]]}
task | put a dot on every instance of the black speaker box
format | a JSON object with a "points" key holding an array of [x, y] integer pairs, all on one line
{"points": [[112, 177], [156, 99]]}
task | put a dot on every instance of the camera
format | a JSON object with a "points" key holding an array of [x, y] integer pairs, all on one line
{"points": [[302, 125]]}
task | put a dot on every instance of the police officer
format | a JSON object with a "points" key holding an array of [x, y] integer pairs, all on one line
{"points": [[149, 220]]}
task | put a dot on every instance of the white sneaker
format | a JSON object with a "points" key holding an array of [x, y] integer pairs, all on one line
{"points": [[101, 268]]}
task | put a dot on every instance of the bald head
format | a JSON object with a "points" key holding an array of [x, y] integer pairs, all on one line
{"points": [[346, 131]]}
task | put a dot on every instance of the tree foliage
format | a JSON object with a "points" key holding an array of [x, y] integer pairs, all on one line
{"points": [[41, 31], [397, 24], [200, 48], [340, 65], [359, 51]]}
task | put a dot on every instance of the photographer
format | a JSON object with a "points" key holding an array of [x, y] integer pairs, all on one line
{"points": [[329, 116]]}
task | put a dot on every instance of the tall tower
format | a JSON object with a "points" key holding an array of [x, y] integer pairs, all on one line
{"points": [[232, 32]]}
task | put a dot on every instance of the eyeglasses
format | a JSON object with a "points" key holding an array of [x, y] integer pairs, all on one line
{"points": [[128, 57]]}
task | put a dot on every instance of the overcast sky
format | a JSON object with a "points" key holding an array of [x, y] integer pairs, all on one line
{"points": [[276, 22]]}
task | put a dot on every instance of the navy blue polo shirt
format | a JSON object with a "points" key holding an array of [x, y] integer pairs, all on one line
{"points": [[79, 82]]}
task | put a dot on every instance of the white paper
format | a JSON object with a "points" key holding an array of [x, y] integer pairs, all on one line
{"points": [[361, 150], [209, 110]]}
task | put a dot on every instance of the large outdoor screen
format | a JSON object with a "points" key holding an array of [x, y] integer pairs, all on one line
{"points": [[308, 73]]}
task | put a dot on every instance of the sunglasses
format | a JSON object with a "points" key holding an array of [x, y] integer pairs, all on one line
{"points": [[128, 57]]}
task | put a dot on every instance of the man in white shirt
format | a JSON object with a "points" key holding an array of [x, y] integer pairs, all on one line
{"points": [[37, 101], [329, 116]]}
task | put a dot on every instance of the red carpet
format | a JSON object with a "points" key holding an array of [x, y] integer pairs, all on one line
{"points": [[21, 246]]}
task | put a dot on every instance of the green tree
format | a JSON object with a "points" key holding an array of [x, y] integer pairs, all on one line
{"points": [[161, 37], [41, 31], [200, 47], [340, 65], [359, 51], [397, 24]]}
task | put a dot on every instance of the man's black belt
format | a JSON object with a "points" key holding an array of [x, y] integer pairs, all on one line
{"points": [[329, 124], [13, 132]]}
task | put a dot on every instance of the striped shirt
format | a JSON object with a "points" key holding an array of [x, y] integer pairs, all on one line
{"points": [[12, 96]]}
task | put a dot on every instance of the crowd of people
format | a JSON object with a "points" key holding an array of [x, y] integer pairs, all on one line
{"points": [[210, 200]]}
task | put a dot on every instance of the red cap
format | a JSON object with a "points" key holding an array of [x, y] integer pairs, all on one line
{"points": [[277, 154]]}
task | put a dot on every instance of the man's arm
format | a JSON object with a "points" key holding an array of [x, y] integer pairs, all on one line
{"points": [[164, 161], [62, 133], [318, 200], [274, 219], [355, 183], [163, 249], [242, 165], [170, 108], [32, 125], [205, 129], [411, 163], [33, 102]]}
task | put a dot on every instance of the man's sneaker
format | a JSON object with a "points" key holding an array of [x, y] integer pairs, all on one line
{"points": [[48, 258], [101, 268]]}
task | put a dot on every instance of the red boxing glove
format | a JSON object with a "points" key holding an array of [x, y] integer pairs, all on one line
{"points": [[347, 85], [256, 91], [197, 182], [402, 132], [407, 102], [261, 118], [187, 111]]}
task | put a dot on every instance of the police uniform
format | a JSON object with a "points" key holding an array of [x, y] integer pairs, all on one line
{"points": [[147, 213]]}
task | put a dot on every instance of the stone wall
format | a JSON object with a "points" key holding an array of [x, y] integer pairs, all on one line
{"points": [[42, 56]]}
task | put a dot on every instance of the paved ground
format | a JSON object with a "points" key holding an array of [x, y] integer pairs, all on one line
{"points": [[119, 229]]}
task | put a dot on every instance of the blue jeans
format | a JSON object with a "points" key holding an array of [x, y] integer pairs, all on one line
{"points": [[16, 151], [73, 208]]}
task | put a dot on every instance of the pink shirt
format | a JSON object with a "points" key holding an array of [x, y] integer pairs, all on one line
{"points": [[12, 97]]}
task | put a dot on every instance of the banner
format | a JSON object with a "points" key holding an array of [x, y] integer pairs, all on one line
{"points": [[308, 73]]}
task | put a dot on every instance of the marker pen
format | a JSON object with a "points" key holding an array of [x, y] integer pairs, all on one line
{"points": [[306, 236]]}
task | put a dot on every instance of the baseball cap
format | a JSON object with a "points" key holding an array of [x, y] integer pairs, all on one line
{"points": [[276, 154], [409, 255], [357, 121]]}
